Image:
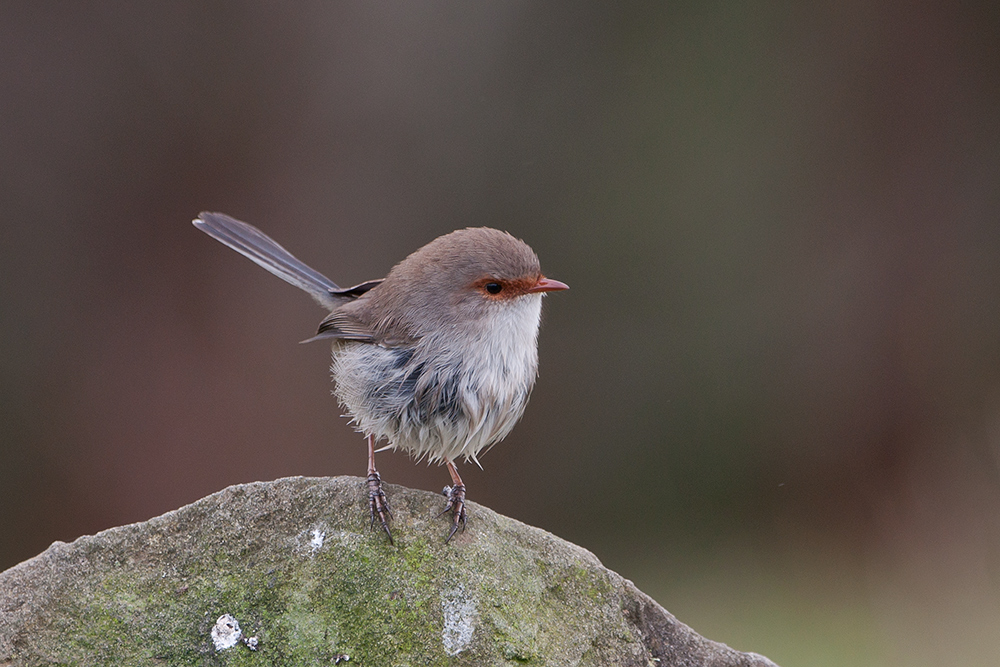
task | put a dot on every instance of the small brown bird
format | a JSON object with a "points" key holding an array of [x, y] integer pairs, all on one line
{"points": [[438, 358]]}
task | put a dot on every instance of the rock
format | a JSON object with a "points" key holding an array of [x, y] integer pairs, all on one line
{"points": [[288, 573]]}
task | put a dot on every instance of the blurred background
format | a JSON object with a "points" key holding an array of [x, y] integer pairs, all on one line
{"points": [[771, 398]]}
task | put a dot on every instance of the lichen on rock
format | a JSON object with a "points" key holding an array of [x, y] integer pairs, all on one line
{"points": [[294, 565]]}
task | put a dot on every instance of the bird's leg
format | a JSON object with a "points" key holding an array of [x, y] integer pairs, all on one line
{"points": [[456, 500], [377, 503]]}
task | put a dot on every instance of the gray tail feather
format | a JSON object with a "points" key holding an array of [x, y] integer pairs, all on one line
{"points": [[264, 251]]}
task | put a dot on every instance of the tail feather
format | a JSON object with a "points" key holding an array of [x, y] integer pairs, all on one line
{"points": [[264, 251]]}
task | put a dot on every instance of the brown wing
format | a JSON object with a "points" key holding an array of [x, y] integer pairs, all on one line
{"points": [[346, 324], [343, 326], [357, 290]]}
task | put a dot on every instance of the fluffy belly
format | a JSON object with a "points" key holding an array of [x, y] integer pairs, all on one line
{"points": [[428, 404]]}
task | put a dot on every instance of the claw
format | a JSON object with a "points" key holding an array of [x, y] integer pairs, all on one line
{"points": [[378, 505], [456, 505]]}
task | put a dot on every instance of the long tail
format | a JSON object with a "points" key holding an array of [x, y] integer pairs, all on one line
{"points": [[264, 251]]}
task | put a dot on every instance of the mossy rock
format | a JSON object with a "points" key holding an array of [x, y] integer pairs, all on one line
{"points": [[294, 565]]}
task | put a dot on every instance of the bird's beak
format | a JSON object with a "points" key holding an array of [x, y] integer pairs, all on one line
{"points": [[547, 285]]}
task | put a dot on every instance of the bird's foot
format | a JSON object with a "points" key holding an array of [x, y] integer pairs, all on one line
{"points": [[456, 505], [378, 505]]}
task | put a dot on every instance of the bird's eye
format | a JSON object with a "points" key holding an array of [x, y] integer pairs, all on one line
{"points": [[494, 288]]}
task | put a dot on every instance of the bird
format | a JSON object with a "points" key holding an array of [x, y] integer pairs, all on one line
{"points": [[437, 359]]}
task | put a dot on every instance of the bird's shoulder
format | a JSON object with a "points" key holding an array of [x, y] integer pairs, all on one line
{"points": [[360, 320]]}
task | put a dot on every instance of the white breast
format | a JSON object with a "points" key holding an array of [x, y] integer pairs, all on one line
{"points": [[452, 395]]}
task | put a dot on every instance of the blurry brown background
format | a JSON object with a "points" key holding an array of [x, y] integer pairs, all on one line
{"points": [[771, 398]]}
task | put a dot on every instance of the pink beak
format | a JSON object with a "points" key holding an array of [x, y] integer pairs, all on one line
{"points": [[547, 285]]}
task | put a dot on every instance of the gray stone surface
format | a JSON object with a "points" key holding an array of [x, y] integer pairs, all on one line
{"points": [[287, 573]]}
